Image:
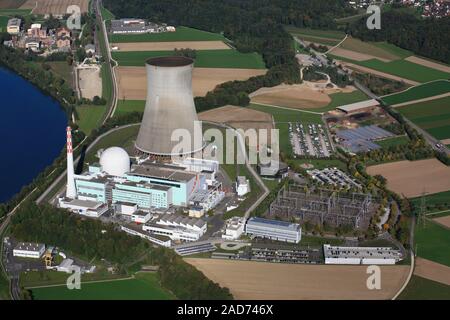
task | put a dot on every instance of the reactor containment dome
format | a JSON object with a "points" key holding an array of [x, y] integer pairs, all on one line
{"points": [[115, 161], [169, 106]]}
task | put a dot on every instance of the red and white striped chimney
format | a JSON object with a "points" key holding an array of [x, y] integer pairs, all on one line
{"points": [[71, 191]]}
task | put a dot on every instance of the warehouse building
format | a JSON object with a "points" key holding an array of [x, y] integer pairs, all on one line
{"points": [[273, 229], [359, 107], [360, 255], [87, 208], [29, 250], [176, 227], [234, 228]]}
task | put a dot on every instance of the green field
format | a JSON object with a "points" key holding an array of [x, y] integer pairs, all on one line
{"points": [[106, 14], [432, 116], [343, 98], [432, 242], [401, 68], [145, 286], [62, 69], [182, 34], [124, 106], [90, 117], [205, 58], [382, 50], [434, 203], [282, 117], [423, 289], [419, 92], [13, 12], [3, 23], [395, 141]]}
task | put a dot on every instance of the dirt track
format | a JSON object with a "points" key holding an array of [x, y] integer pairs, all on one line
{"points": [[432, 270], [56, 7], [261, 280], [412, 178], [132, 80], [429, 64], [90, 83], [160, 46]]}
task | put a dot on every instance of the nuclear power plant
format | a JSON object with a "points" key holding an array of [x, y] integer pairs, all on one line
{"points": [[169, 107]]}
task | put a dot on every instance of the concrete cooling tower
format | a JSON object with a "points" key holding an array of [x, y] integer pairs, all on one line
{"points": [[169, 106]]}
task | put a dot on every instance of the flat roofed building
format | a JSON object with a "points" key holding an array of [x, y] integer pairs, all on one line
{"points": [[234, 228], [360, 255], [242, 186], [138, 231], [87, 208], [141, 217], [359, 106], [273, 229], [29, 250], [13, 26]]}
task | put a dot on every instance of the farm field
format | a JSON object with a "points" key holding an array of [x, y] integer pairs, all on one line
{"points": [[205, 58], [381, 51], [432, 271], [171, 45], [181, 34], [422, 91], [106, 14], [433, 199], [324, 37], [142, 287], [55, 7], [401, 68], [11, 4], [90, 117], [239, 118], [402, 176], [432, 116], [423, 289], [428, 63], [444, 220], [395, 141], [261, 280], [132, 81], [124, 106], [433, 241]]}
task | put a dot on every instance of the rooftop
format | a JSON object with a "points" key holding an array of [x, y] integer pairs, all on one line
{"points": [[170, 61], [163, 172], [274, 223], [359, 105], [29, 246]]}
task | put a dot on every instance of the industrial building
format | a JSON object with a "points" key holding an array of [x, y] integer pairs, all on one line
{"points": [[87, 208], [242, 186], [274, 169], [29, 250], [359, 107], [360, 255], [273, 229], [234, 228], [137, 26], [13, 26], [169, 110], [136, 230], [324, 205], [334, 176], [176, 227]]}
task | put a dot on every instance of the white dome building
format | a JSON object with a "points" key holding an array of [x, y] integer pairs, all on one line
{"points": [[115, 161]]}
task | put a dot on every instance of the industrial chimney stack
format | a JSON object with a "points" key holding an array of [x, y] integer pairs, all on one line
{"points": [[169, 106], [70, 191]]}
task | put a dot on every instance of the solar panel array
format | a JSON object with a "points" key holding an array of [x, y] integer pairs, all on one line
{"points": [[195, 248], [360, 139]]}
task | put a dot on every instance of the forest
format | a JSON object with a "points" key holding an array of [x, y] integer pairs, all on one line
{"points": [[91, 239]]}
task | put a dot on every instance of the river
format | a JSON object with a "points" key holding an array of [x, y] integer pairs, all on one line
{"points": [[32, 132]]}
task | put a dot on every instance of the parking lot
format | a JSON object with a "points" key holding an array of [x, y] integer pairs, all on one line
{"points": [[309, 140]]}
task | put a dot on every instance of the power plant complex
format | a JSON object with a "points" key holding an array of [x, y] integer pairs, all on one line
{"points": [[146, 190]]}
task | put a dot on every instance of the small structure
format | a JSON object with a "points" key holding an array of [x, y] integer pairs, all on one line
{"points": [[29, 250], [141, 216], [33, 44], [360, 255], [242, 186], [273, 169], [273, 229], [13, 26], [234, 228], [196, 212], [89, 48]]}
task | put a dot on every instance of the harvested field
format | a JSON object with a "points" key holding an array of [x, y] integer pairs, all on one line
{"points": [[11, 4], [412, 178], [90, 83], [132, 80], [292, 96], [429, 64], [239, 118], [445, 141], [261, 280], [167, 45], [432, 271], [376, 72], [445, 221], [353, 55], [367, 48], [55, 7]]}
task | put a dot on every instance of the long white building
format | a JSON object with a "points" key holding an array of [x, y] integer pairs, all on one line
{"points": [[273, 229], [29, 250], [360, 255]]}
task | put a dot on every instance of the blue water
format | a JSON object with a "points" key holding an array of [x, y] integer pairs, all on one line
{"points": [[32, 132]]}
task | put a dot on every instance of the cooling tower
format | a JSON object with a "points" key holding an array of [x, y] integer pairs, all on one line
{"points": [[169, 106]]}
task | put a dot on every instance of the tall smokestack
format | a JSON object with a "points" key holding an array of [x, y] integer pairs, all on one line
{"points": [[169, 106], [70, 191]]}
